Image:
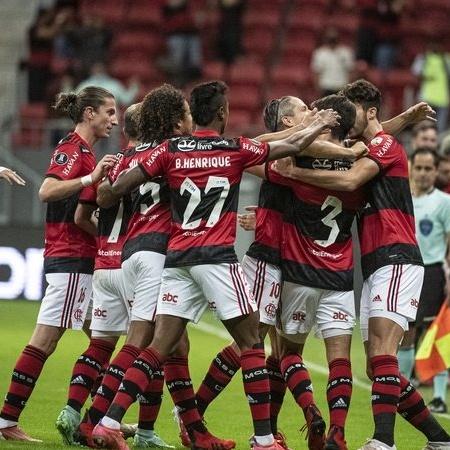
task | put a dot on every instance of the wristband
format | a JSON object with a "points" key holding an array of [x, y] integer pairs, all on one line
{"points": [[86, 180]]}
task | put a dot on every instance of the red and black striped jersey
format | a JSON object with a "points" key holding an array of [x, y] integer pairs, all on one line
{"points": [[150, 222], [67, 247], [386, 223], [204, 172], [273, 201], [317, 242], [112, 227]]}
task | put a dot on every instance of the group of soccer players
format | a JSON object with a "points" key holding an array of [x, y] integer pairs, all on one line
{"points": [[155, 225]]}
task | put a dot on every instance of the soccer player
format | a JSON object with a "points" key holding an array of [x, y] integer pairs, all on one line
{"points": [[11, 177], [432, 216], [69, 251], [391, 263], [109, 310], [204, 172], [261, 264]]}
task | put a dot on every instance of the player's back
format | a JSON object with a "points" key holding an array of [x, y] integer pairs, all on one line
{"points": [[204, 172]]}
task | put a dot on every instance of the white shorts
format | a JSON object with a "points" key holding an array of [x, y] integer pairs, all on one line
{"points": [[265, 284], [187, 291], [142, 273], [66, 300], [111, 302], [302, 307], [392, 292]]}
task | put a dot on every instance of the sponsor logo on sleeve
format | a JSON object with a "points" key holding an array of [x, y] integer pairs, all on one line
{"points": [[61, 159]]}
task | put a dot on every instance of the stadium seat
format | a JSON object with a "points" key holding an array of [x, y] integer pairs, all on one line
{"points": [[214, 70], [258, 43], [245, 98], [238, 121], [144, 70], [247, 73], [138, 42], [111, 12], [143, 14]]}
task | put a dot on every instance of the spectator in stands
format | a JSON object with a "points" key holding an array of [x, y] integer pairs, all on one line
{"points": [[229, 30], [424, 134], [99, 77], [443, 178], [433, 70], [183, 42], [332, 63], [41, 35], [388, 33], [366, 33], [90, 42]]}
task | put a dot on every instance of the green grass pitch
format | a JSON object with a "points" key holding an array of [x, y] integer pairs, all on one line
{"points": [[228, 417]]}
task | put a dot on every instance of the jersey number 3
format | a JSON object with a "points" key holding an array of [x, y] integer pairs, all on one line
{"points": [[329, 221]]}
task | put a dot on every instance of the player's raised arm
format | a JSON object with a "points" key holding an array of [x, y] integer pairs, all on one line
{"points": [[53, 189], [298, 141], [416, 113], [126, 182]]}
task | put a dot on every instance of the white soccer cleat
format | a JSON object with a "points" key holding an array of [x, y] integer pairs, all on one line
{"points": [[374, 444], [437, 446]]}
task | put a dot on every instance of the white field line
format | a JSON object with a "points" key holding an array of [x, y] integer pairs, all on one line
{"points": [[223, 334]]}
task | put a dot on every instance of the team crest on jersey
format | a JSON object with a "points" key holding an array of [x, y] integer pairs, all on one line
{"points": [[61, 159], [186, 145], [376, 140], [426, 226]]}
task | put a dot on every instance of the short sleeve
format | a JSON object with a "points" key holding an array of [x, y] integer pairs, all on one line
{"points": [[117, 169], [275, 177], [156, 162], [66, 162], [88, 195], [384, 150], [253, 153]]}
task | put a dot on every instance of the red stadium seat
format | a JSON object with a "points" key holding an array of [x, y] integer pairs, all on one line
{"points": [[138, 42], [143, 69], [214, 70], [258, 43], [238, 121], [111, 12], [260, 20], [245, 98], [143, 13], [247, 73]]}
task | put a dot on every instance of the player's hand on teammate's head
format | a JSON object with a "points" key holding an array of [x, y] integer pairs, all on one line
{"points": [[420, 111], [309, 117], [11, 177], [283, 166], [328, 117], [248, 221], [360, 149], [103, 167]]}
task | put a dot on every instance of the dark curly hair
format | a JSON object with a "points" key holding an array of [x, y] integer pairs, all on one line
{"points": [[205, 101], [160, 112], [74, 104], [364, 93], [344, 107], [275, 110]]}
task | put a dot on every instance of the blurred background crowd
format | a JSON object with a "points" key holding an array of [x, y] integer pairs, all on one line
{"points": [[262, 49]]}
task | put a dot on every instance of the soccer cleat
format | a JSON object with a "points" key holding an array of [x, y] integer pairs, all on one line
{"points": [[83, 436], [206, 441], [274, 446], [184, 435], [281, 439], [437, 405], [335, 439], [437, 446], [128, 430], [67, 424], [315, 426], [374, 444], [145, 442], [15, 433], [104, 437]]}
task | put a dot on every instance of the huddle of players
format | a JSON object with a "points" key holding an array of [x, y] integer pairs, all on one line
{"points": [[316, 267]]}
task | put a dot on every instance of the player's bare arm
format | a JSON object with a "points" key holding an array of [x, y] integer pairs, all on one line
{"points": [[11, 177], [127, 181], [53, 189], [84, 218], [326, 149], [105, 196], [297, 142], [414, 114], [361, 172]]}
